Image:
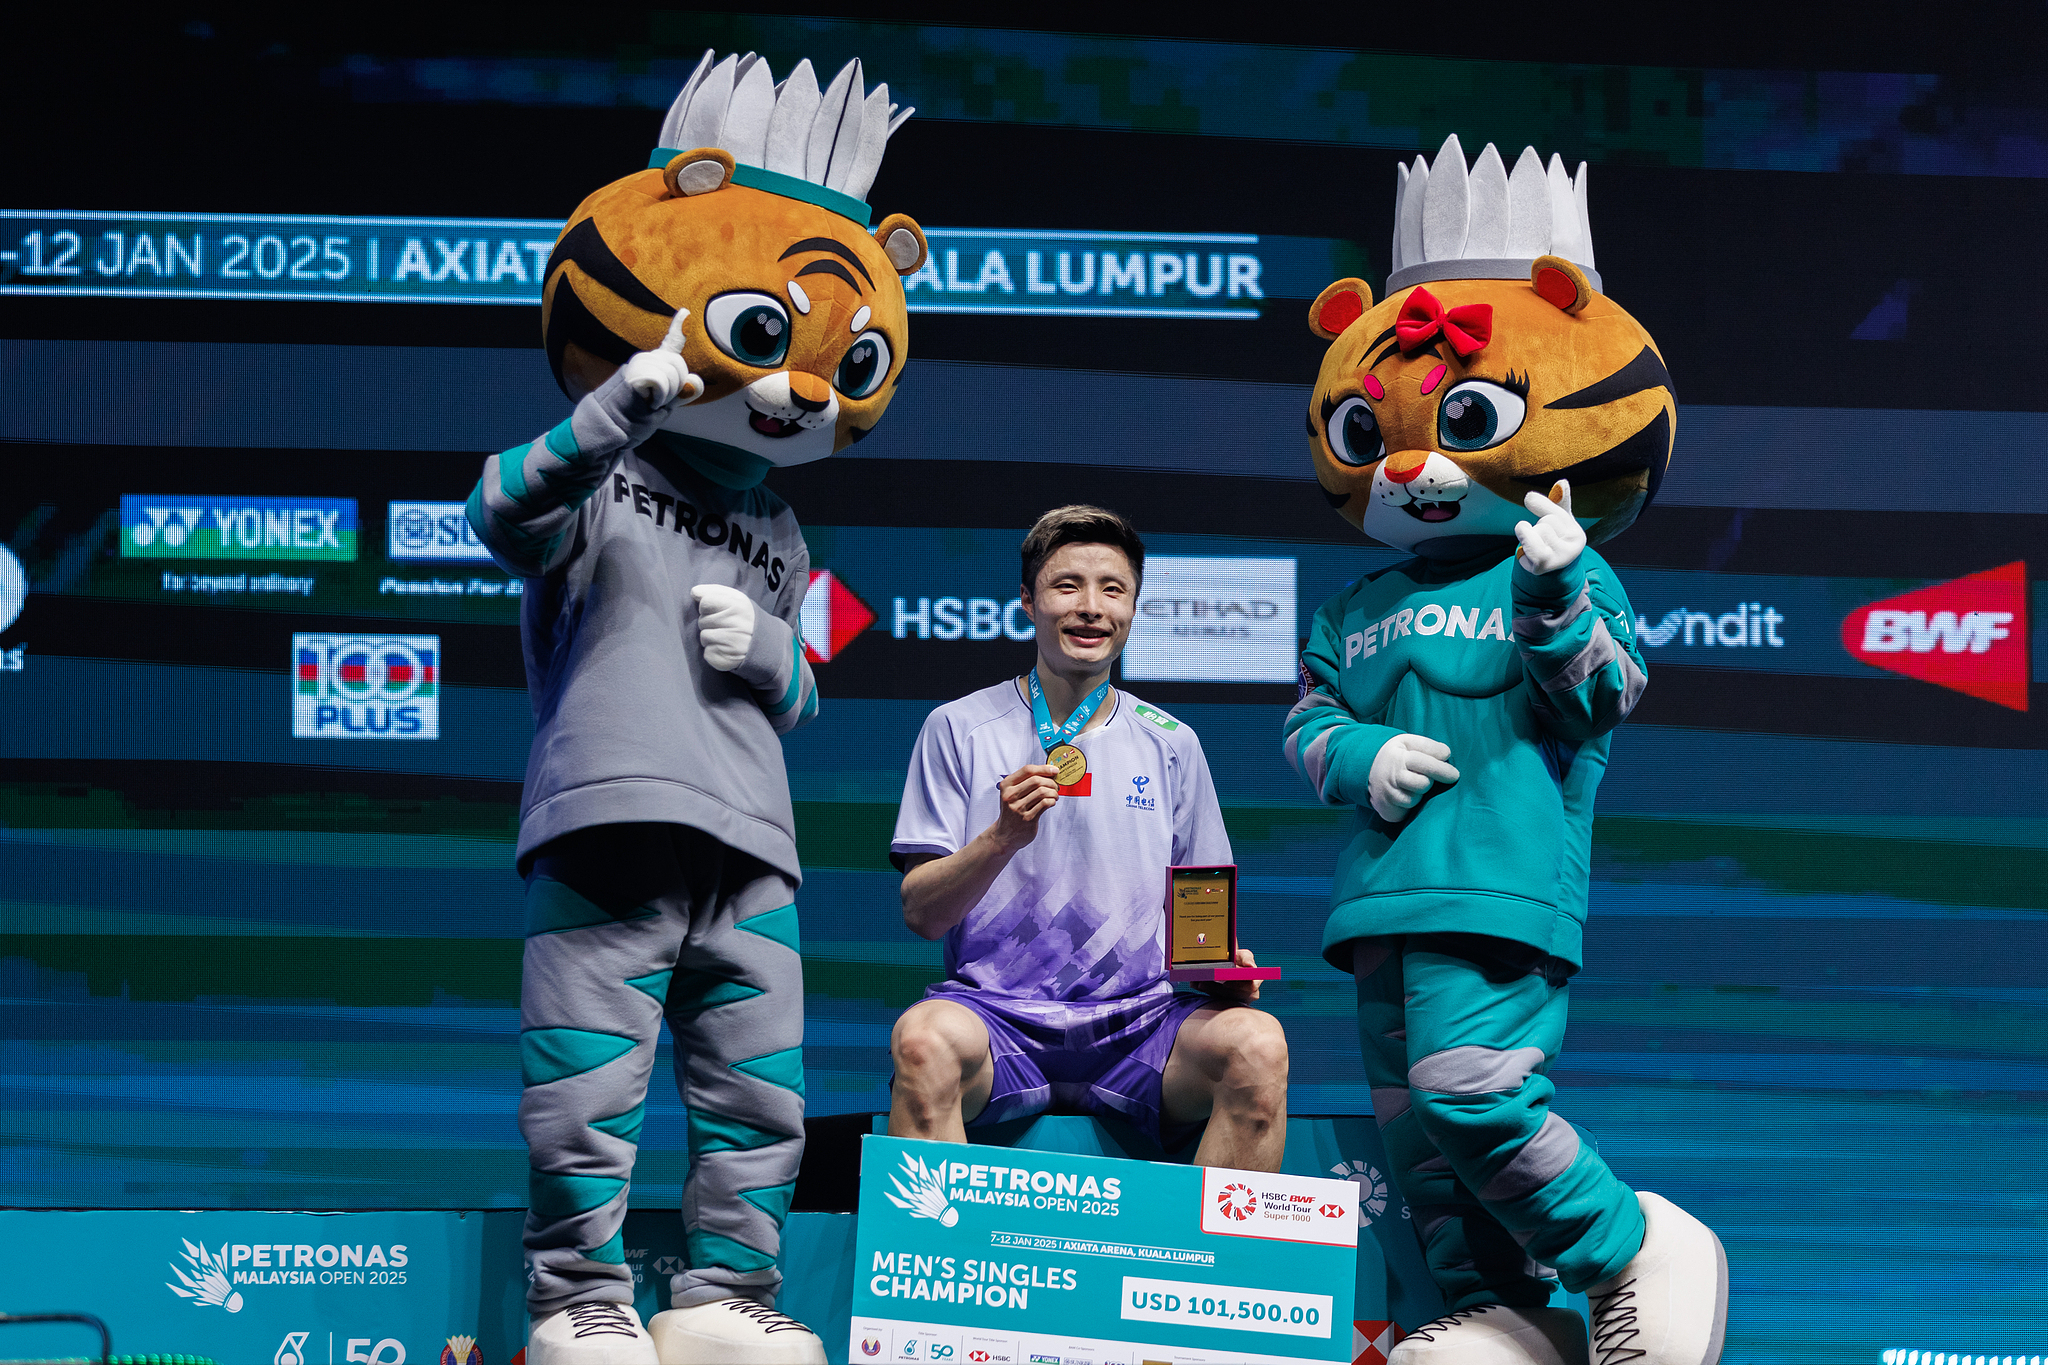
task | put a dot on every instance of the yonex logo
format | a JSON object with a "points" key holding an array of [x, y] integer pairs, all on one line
{"points": [[176, 527]]}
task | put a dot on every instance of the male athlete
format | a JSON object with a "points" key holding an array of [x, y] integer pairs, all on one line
{"points": [[1039, 818]]}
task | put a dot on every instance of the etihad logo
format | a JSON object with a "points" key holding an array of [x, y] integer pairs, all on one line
{"points": [[832, 617], [1968, 634]]}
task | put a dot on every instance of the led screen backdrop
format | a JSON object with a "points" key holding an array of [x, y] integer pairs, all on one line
{"points": [[263, 720]]}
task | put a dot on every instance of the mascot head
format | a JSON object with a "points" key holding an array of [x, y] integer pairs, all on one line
{"points": [[751, 214], [1495, 367]]}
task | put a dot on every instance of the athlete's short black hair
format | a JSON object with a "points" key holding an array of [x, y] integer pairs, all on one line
{"points": [[1080, 524]]}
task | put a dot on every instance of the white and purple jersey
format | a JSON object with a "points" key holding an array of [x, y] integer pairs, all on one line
{"points": [[1079, 914]]}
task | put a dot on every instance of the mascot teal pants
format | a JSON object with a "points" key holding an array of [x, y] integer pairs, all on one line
{"points": [[1457, 1032], [627, 925]]}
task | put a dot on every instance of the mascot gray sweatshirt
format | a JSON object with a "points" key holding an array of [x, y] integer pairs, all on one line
{"points": [[613, 523]]}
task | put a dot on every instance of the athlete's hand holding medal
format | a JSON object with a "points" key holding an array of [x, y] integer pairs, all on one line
{"points": [[1026, 794]]}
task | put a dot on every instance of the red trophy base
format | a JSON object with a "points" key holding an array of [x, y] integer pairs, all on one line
{"points": [[1223, 974]]}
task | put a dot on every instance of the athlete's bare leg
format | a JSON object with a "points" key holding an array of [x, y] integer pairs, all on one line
{"points": [[943, 1071], [1229, 1066]]}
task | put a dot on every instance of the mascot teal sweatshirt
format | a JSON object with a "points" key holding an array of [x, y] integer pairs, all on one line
{"points": [[1523, 676]]}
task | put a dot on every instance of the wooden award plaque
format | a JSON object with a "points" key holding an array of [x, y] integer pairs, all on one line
{"points": [[1201, 926]]}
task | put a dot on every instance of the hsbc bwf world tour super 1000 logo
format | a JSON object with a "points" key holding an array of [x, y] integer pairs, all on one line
{"points": [[366, 686]]}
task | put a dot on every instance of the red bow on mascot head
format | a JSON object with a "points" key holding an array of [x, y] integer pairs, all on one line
{"points": [[1467, 327]]}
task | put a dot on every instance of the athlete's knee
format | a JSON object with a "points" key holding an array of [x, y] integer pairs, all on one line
{"points": [[932, 1043], [1251, 1048]]}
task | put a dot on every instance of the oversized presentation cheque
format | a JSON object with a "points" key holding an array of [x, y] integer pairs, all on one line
{"points": [[1000, 1256]]}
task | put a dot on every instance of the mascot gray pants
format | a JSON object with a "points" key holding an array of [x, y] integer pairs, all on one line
{"points": [[627, 925]]}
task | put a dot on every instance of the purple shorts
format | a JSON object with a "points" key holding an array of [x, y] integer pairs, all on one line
{"points": [[1097, 1057]]}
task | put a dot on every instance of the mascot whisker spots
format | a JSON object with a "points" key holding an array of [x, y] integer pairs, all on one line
{"points": [[1496, 415], [730, 308]]}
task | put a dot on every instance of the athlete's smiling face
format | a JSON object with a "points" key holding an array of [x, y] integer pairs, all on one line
{"points": [[1082, 606]]}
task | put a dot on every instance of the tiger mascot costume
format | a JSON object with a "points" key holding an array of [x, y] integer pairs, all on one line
{"points": [[1495, 416], [723, 312]]}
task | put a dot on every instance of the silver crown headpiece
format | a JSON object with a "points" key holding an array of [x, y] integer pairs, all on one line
{"points": [[1486, 224], [831, 140]]}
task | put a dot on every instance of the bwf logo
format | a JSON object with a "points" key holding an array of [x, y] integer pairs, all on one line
{"points": [[1968, 634], [366, 686]]}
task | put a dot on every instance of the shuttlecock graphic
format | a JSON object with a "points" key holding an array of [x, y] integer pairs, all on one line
{"points": [[925, 1196], [208, 1285]]}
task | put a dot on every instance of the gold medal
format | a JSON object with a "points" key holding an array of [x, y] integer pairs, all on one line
{"points": [[1071, 762]]}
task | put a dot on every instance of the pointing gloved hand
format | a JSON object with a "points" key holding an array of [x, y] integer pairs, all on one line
{"points": [[725, 624], [661, 376], [1403, 771]]}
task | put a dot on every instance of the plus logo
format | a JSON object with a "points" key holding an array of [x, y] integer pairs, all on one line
{"points": [[1135, 799]]}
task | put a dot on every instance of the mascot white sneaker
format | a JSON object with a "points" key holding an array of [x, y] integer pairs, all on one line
{"points": [[1668, 1306], [591, 1334], [733, 1332], [1496, 1334]]}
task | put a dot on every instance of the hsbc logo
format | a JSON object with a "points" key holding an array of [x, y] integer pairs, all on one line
{"points": [[832, 617], [1968, 635]]}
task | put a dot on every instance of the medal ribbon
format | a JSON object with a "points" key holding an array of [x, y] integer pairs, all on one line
{"points": [[1050, 735]]}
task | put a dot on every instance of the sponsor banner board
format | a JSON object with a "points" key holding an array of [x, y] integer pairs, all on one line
{"points": [[175, 526], [1214, 618], [366, 686], [249, 1288], [1022, 1254], [1201, 276], [433, 531]]}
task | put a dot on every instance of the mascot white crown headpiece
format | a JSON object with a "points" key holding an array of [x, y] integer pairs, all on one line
{"points": [[1485, 224], [832, 138]]}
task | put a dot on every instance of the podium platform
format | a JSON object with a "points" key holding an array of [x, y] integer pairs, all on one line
{"points": [[395, 1287]]}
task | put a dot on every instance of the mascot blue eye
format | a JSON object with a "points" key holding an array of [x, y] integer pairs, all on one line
{"points": [[864, 367], [1354, 433], [1477, 414], [752, 328]]}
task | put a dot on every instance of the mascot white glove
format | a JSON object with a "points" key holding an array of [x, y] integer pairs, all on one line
{"points": [[661, 376], [1556, 538], [1402, 772], [725, 624]]}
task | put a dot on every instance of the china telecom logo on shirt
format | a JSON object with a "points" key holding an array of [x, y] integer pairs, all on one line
{"points": [[1136, 798]]}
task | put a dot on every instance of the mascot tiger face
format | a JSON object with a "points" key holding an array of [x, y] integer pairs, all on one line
{"points": [[1440, 409], [797, 319]]}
